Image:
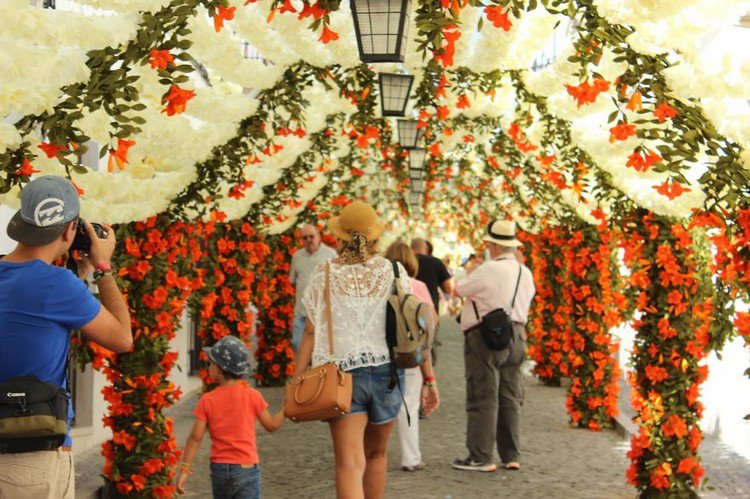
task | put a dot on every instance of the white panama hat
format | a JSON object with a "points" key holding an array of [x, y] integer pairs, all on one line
{"points": [[503, 233]]}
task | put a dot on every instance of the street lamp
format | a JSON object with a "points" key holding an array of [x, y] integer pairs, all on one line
{"points": [[416, 158], [394, 93], [409, 135], [416, 174], [381, 27]]}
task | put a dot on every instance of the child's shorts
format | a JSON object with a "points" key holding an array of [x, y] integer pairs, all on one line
{"points": [[371, 394]]}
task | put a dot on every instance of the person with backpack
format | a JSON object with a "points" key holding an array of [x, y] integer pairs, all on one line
{"points": [[416, 378], [499, 287], [360, 285]]}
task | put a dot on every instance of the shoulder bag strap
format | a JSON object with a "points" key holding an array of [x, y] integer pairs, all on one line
{"points": [[329, 318], [518, 281]]}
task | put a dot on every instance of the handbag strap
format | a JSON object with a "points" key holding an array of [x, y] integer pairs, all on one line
{"points": [[515, 293], [329, 318]]}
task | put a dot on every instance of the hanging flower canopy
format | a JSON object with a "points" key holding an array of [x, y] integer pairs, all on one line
{"points": [[209, 129]]}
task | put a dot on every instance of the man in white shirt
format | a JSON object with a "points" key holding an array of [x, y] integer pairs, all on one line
{"points": [[304, 262], [494, 383]]}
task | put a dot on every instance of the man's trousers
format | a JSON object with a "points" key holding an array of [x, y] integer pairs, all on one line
{"points": [[494, 395]]}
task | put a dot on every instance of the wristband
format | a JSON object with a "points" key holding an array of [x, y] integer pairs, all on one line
{"points": [[429, 379], [103, 266], [429, 383], [98, 274]]}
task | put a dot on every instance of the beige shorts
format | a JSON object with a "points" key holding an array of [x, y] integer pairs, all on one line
{"points": [[37, 475]]}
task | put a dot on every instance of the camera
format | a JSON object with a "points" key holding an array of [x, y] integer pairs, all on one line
{"points": [[82, 241]]}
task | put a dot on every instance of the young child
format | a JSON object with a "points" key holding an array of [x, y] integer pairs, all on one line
{"points": [[229, 412]]}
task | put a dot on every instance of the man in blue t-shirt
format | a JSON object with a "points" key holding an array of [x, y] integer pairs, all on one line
{"points": [[39, 305]]}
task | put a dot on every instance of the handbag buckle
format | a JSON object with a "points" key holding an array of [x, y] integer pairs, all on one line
{"points": [[20, 399]]}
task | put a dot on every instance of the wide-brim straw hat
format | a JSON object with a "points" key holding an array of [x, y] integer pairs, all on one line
{"points": [[503, 233], [356, 217]]}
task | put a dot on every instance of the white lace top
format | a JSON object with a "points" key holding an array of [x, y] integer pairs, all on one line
{"points": [[359, 294]]}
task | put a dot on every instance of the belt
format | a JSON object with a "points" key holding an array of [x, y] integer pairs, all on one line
{"points": [[67, 448], [478, 326]]}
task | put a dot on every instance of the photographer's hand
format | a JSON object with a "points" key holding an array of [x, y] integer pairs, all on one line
{"points": [[84, 264], [101, 249]]}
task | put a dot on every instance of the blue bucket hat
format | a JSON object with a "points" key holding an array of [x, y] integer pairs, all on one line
{"points": [[230, 354]]}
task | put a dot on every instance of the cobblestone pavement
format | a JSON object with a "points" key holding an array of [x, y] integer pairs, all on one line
{"points": [[558, 461]]}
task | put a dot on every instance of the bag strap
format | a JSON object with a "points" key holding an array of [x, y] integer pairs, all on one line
{"points": [[395, 278], [518, 281], [515, 293], [328, 309]]}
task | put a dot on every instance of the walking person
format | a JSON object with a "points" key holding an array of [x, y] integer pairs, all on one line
{"points": [[229, 412], [40, 304], [494, 382], [304, 261], [415, 377], [360, 285]]}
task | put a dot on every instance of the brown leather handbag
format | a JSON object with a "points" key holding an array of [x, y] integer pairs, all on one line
{"points": [[323, 392]]}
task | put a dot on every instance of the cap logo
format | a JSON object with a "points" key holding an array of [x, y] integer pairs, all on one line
{"points": [[49, 212]]}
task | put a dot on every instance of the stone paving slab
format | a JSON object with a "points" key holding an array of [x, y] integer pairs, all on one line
{"points": [[558, 461]]}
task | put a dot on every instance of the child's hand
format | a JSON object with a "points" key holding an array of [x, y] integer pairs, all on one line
{"points": [[181, 483]]}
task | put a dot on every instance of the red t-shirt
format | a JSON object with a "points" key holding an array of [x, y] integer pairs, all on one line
{"points": [[230, 413]]}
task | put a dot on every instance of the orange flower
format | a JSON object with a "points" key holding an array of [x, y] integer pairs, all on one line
{"points": [[26, 169], [328, 35], [119, 155], [586, 92], [674, 426], [671, 189], [223, 14], [287, 7], [160, 59], [50, 149], [642, 162], [177, 100], [621, 131], [664, 111], [442, 112], [635, 103], [463, 102], [497, 17], [312, 9]]}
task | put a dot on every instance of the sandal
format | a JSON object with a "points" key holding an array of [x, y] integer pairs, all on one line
{"points": [[512, 466]]}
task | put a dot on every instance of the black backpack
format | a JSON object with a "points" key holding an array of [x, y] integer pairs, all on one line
{"points": [[496, 326]]}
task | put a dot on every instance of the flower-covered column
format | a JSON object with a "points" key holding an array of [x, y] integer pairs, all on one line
{"points": [[275, 355], [550, 313], [156, 268], [594, 373], [672, 338]]}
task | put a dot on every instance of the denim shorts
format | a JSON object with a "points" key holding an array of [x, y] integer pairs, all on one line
{"points": [[371, 394], [235, 481]]}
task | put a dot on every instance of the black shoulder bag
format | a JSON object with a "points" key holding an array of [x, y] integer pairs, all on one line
{"points": [[33, 415], [496, 326]]}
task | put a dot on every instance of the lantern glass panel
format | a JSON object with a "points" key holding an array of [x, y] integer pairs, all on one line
{"points": [[417, 186], [409, 135], [382, 27], [414, 198], [416, 158], [394, 93], [416, 173]]}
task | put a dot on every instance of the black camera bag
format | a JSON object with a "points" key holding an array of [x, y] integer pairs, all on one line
{"points": [[496, 326], [33, 415]]}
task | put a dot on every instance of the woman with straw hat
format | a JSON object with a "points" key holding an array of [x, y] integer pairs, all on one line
{"points": [[360, 284]]}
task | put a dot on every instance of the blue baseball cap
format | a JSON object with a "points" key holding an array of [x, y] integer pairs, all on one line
{"points": [[230, 354], [48, 203]]}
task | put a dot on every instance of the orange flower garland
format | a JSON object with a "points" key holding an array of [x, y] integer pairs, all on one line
{"points": [[672, 339], [593, 392]]}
